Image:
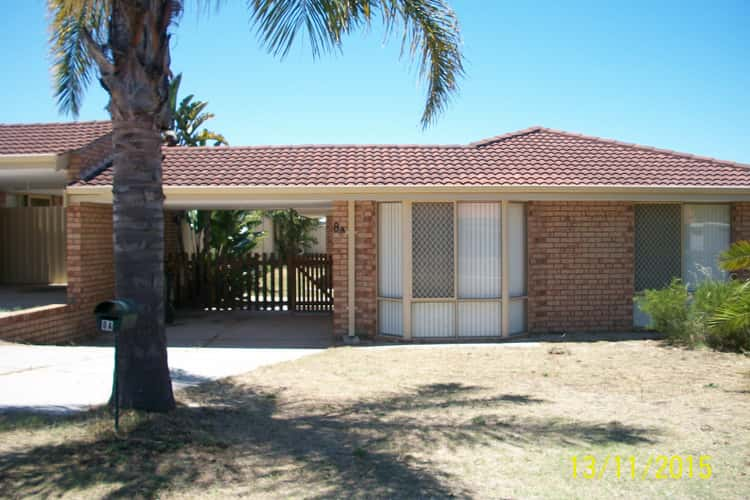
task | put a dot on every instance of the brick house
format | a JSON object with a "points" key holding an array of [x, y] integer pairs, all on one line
{"points": [[533, 231]]}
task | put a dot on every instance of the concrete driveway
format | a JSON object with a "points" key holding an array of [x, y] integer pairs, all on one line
{"points": [[200, 348]]}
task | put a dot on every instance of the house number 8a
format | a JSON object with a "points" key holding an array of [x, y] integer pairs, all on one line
{"points": [[337, 228]]}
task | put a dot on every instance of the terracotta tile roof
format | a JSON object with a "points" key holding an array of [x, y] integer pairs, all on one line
{"points": [[43, 138], [531, 157]]}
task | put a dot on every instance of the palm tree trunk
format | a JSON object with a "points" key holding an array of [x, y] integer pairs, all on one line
{"points": [[137, 79], [138, 219]]}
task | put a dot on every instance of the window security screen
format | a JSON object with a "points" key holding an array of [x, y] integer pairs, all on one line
{"points": [[657, 245], [432, 250]]}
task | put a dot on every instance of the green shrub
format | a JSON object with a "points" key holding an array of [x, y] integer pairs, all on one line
{"points": [[668, 310], [717, 313]]}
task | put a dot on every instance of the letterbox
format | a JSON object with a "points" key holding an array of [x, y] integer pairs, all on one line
{"points": [[114, 316]]}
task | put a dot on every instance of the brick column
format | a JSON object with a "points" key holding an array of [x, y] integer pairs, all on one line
{"points": [[366, 292], [338, 248], [91, 270], [581, 258]]}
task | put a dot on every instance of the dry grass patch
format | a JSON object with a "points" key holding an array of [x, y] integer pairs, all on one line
{"points": [[479, 421]]}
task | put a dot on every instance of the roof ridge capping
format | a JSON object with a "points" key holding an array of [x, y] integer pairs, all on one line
{"points": [[643, 147], [593, 138], [170, 149], [54, 124], [509, 135]]}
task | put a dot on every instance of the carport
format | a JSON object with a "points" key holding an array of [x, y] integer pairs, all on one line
{"points": [[259, 300], [256, 300], [245, 329]]}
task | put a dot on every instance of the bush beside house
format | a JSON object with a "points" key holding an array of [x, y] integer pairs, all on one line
{"points": [[716, 313]]}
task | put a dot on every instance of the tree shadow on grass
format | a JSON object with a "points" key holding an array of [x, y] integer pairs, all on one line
{"points": [[233, 436], [37, 418]]}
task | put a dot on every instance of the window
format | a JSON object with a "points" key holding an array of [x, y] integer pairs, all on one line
{"points": [[433, 319], [479, 269], [678, 241], [705, 235], [39, 201], [390, 258], [390, 269], [457, 269], [479, 234], [517, 267]]}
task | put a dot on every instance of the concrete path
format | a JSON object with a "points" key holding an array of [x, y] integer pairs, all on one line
{"points": [[201, 347], [243, 329], [62, 378]]}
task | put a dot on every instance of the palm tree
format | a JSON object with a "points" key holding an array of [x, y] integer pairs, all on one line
{"points": [[126, 44], [187, 118], [184, 130]]}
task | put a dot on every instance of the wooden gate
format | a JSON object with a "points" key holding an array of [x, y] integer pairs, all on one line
{"points": [[259, 282]]}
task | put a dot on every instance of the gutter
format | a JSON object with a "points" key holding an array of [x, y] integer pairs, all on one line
{"points": [[36, 160], [457, 188]]}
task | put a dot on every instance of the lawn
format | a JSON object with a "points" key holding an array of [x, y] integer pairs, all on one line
{"points": [[457, 421]]}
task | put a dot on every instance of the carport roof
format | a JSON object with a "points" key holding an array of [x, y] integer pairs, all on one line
{"points": [[532, 157], [49, 138]]}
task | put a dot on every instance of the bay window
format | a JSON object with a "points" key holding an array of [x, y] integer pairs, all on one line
{"points": [[455, 269]]}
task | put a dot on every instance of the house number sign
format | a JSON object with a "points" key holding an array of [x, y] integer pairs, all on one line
{"points": [[338, 228]]}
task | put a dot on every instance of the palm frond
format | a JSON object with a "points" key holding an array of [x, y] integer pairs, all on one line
{"points": [[207, 136], [174, 90], [73, 66], [189, 116], [279, 22], [737, 257], [431, 35], [734, 314]]}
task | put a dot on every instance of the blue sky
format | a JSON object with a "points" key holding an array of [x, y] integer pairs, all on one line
{"points": [[672, 74]]}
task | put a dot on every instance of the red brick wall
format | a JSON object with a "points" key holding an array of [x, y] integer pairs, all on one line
{"points": [[366, 269], [741, 221], [90, 280], [337, 248], [89, 155], [92, 258], [581, 258], [48, 324]]}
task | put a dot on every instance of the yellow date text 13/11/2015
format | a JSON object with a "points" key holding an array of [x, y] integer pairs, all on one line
{"points": [[657, 467]]}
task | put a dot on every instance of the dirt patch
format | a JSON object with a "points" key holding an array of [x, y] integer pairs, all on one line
{"points": [[446, 421]]}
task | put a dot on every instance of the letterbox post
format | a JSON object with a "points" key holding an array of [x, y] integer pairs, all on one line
{"points": [[116, 388], [114, 316]]}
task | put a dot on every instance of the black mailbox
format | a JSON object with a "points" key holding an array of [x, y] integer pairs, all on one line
{"points": [[114, 316]]}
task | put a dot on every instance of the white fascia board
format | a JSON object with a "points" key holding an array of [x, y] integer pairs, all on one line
{"points": [[207, 194], [51, 161]]}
